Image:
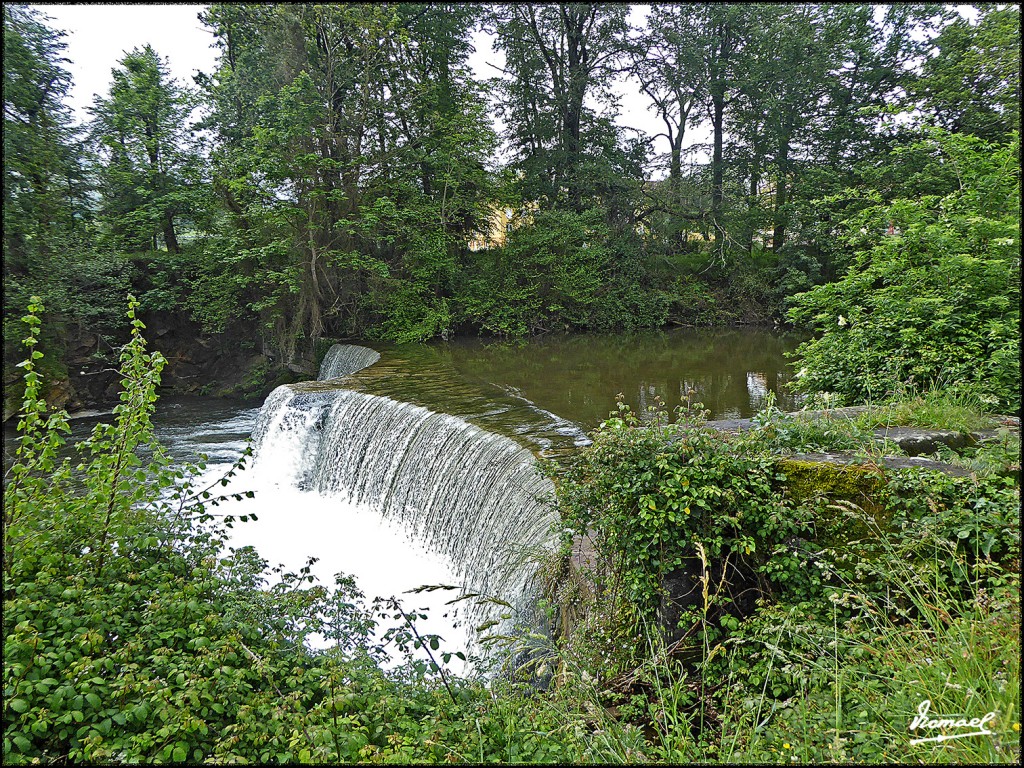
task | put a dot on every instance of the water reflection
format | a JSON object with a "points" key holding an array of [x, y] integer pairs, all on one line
{"points": [[544, 392], [577, 377]]}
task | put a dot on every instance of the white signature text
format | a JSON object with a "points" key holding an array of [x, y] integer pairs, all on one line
{"points": [[924, 721]]}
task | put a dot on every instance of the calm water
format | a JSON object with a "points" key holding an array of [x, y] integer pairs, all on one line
{"points": [[548, 393], [578, 377], [552, 388]]}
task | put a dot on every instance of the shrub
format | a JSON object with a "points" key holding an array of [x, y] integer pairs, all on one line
{"points": [[937, 303]]}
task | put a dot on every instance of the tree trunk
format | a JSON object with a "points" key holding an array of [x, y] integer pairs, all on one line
{"points": [[755, 181], [169, 237], [675, 180], [717, 162], [779, 231]]}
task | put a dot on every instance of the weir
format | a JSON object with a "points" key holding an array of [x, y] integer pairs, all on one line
{"points": [[461, 490], [343, 359]]}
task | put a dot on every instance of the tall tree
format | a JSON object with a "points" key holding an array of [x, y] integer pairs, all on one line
{"points": [[45, 190], [43, 179], [723, 28], [667, 62], [149, 160], [811, 84], [791, 54], [351, 149], [970, 83], [558, 58]]}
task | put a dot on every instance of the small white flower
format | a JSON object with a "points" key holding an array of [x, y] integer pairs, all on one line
{"points": [[842, 322], [802, 372]]}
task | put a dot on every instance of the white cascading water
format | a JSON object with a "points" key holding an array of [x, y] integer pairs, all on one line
{"points": [[470, 495], [294, 419], [344, 359], [470, 503]]}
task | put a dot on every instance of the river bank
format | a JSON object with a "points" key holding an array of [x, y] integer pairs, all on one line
{"points": [[576, 375]]}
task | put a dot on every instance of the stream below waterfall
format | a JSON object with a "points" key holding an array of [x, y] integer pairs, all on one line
{"points": [[419, 467]]}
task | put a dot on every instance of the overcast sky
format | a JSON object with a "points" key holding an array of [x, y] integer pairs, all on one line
{"points": [[99, 35]]}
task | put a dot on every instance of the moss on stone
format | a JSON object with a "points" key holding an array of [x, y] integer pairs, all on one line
{"points": [[837, 486]]}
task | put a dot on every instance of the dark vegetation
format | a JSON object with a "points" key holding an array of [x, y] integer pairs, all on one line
{"points": [[733, 610], [329, 179]]}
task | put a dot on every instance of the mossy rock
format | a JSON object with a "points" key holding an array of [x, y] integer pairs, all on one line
{"points": [[852, 494], [845, 490]]}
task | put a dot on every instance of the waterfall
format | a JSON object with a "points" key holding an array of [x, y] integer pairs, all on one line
{"points": [[288, 432], [474, 496], [471, 495], [344, 359]]}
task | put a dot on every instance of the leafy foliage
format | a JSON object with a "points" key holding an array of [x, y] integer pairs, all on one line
{"points": [[937, 302], [150, 169], [659, 501], [131, 634], [850, 632]]}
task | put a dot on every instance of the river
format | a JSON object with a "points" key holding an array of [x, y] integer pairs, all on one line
{"points": [[418, 469]]}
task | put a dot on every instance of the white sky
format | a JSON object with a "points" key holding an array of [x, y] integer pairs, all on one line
{"points": [[99, 35]]}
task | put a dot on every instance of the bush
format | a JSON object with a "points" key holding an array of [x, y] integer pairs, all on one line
{"points": [[675, 501], [847, 637], [937, 303]]}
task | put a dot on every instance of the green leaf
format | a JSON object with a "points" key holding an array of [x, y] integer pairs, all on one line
{"points": [[18, 705]]}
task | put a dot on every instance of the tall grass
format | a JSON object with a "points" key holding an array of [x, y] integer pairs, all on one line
{"points": [[956, 410], [840, 679], [950, 638]]}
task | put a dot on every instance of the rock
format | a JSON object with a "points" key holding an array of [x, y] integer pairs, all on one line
{"points": [[83, 345], [576, 588], [732, 589], [875, 465], [916, 441], [854, 489], [60, 394]]}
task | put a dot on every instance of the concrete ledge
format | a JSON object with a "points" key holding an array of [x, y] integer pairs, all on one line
{"points": [[915, 441], [888, 462]]}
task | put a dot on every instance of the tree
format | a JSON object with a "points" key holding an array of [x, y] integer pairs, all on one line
{"points": [[351, 151], [722, 28], [971, 81], [557, 57], [45, 206], [42, 178], [667, 62], [149, 173]]}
